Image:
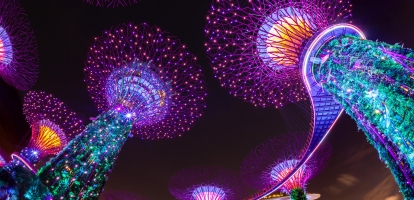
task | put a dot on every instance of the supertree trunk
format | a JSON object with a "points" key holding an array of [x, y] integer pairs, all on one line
{"points": [[374, 82], [80, 170]]}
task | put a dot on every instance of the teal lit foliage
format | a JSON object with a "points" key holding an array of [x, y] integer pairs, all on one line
{"points": [[374, 82], [18, 182], [81, 169], [298, 194]]}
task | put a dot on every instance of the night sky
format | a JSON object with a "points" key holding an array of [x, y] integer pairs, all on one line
{"points": [[229, 128]]}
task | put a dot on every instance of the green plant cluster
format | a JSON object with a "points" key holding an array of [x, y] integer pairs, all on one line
{"points": [[364, 78], [298, 194], [80, 170]]}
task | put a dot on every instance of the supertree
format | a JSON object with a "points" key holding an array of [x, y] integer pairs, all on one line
{"points": [[147, 85], [267, 51], [53, 125], [274, 159], [111, 3], [121, 195], [206, 183], [18, 54]]}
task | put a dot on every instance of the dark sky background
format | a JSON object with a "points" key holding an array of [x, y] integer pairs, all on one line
{"points": [[229, 129]]}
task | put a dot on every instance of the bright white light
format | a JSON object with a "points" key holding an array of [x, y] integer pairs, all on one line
{"points": [[129, 115]]}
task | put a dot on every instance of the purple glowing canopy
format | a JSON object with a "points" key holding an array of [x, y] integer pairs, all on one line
{"points": [[273, 160], [18, 54], [49, 117], [254, 46], [111, 3], [142, 68], [206, 183]]}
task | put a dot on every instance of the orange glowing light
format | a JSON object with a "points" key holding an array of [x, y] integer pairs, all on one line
{"points": [[46, 140], [162, 95], [285, 39]]}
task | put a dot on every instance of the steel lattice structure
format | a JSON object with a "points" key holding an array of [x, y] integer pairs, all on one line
{"points": [[206, 183], [254, 46], [147, 85], [18, 54], [273, 160], [111, 3]]}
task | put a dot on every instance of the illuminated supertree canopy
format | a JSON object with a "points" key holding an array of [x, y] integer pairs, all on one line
{"points": [[18, 54], [274, 159], [53, 125], [206, 183], [248, 41], [254, 46], [121, 195], [167, 87], [147, 85], [111, 3]]}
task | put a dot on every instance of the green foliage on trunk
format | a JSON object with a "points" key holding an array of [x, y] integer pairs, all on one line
{"points": [[81, 169], [374, 82]]}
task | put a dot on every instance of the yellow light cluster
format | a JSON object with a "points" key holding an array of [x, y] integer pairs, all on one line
{"points": [[47, 139], [285, 39]]}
